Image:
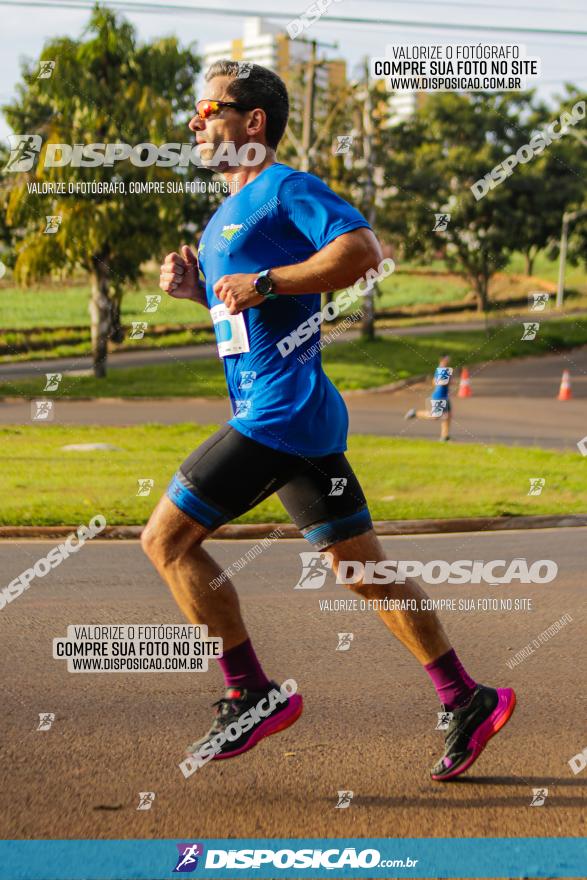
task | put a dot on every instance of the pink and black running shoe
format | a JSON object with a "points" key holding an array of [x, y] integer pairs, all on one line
{"points": [[471, 728], [244, 718]]}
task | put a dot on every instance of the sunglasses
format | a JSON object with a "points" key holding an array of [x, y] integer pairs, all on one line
{"points": [[205, 108]]}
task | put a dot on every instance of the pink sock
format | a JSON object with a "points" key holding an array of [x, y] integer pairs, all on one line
{"points": [[242, 669], [453, 684]]}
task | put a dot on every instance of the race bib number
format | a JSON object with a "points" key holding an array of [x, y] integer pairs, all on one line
{"points": [[231, 331]]}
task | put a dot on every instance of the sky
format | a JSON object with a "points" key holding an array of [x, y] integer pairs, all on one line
{"points": [[563, 57]]}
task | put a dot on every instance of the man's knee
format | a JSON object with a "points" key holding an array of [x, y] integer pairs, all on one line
{"points": [[170, 534]]}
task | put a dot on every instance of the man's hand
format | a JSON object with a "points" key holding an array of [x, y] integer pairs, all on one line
{"points": [[237, 292], [179, 275]]}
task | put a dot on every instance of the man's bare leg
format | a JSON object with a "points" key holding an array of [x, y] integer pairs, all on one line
{"points": [[421, 632], [173, 543], [476, 712], [445, 427]]}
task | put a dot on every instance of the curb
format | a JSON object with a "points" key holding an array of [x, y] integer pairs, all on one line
{"points": [[287, 530]]}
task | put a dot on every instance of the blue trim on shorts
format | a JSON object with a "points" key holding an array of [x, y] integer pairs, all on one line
{"points": [[339, 529], [190, 503]]}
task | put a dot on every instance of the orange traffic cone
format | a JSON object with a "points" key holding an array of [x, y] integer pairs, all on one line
{"points": [[565, 389], [465, 384]]}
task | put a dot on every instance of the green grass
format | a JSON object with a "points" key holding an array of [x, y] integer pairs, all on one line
{"points": [[76, 342], [67, 306], [351, 365], [401, 290], [202, 378], [55, 315], [575, 276], [403, 479]]}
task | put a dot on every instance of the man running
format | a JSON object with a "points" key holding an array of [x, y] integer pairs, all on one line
{"points": [[440, 406], [271, 247]]}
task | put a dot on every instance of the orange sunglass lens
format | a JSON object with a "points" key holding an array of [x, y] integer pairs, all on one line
{"points": [[205, 108]]}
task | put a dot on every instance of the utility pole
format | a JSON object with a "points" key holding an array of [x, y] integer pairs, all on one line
{"points": [[306, 146], [567, 218], [309, 96]]}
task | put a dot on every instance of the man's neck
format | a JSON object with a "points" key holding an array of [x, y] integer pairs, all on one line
{"points": [[239, 177]]}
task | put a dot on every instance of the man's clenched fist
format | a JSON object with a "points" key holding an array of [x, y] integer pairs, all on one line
{"points": [[179, 275], [238, 292]]}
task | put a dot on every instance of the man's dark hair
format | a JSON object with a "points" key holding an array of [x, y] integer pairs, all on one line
{"points": [[256, 86]]}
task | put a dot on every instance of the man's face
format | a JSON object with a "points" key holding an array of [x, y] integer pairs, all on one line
{"points": [[226, 125]]}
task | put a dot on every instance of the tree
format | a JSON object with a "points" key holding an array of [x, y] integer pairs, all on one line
{"points": [[568, 157], [105, 89], [435, 158], [548, 185]]}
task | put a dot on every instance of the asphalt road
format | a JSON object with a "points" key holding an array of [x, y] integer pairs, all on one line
{"points": [[514, 402], [369, 719]]}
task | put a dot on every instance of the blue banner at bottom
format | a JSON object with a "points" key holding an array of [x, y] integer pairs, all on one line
{"points": [[524, 857]]}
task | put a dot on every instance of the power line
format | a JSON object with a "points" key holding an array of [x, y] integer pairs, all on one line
{"points": [[123, 6], [491, 6]]}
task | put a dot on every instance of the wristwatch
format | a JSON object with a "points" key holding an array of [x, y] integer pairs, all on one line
{"points": [[264, 285]]}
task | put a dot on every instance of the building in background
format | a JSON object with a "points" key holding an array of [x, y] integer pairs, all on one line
{"points": [[267, 44], [403, 105]]}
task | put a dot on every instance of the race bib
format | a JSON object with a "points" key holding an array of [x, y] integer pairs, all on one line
{"points": [[231, 331]]}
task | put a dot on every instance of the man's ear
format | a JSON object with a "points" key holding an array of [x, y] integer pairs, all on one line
{"points": [[257, 121]]}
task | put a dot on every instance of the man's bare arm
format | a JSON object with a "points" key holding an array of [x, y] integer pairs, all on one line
{"points": [[340, 264]]}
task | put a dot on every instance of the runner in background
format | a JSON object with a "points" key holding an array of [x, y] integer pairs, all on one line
{"points": [[440, 407]]}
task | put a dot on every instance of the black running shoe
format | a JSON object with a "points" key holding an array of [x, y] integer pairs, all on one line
{"points": [[471, 728], [244, 717]]}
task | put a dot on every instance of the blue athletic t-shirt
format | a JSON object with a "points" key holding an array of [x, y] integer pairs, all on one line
{"points": [[281, 217], [442, 377]]}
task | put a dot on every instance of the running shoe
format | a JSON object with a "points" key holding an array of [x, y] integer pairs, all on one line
{"points": [[471, 728], [245, 717], [411, 414]]}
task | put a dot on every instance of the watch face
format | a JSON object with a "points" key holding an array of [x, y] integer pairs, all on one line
{"points": [[263, 285]]}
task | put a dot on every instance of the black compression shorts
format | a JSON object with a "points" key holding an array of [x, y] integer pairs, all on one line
{"points": [[230, 473]]}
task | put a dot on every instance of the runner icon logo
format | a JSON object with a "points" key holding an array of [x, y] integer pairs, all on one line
{"points": [[538, 301], [145, 486], [315, 567], [53, 223], [539, 796], [536, 485], [338, 485], [345, 142], [187, 861], [344, 641], [152, 302], [24, 149], [242, 408], [437, 408], [530, 331], [444, 719], [441, 222], [247, 379], [42, 410], [138, 329], [46, 69], [53, 380], [46, 719], [146, 799], [344, 800]]}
